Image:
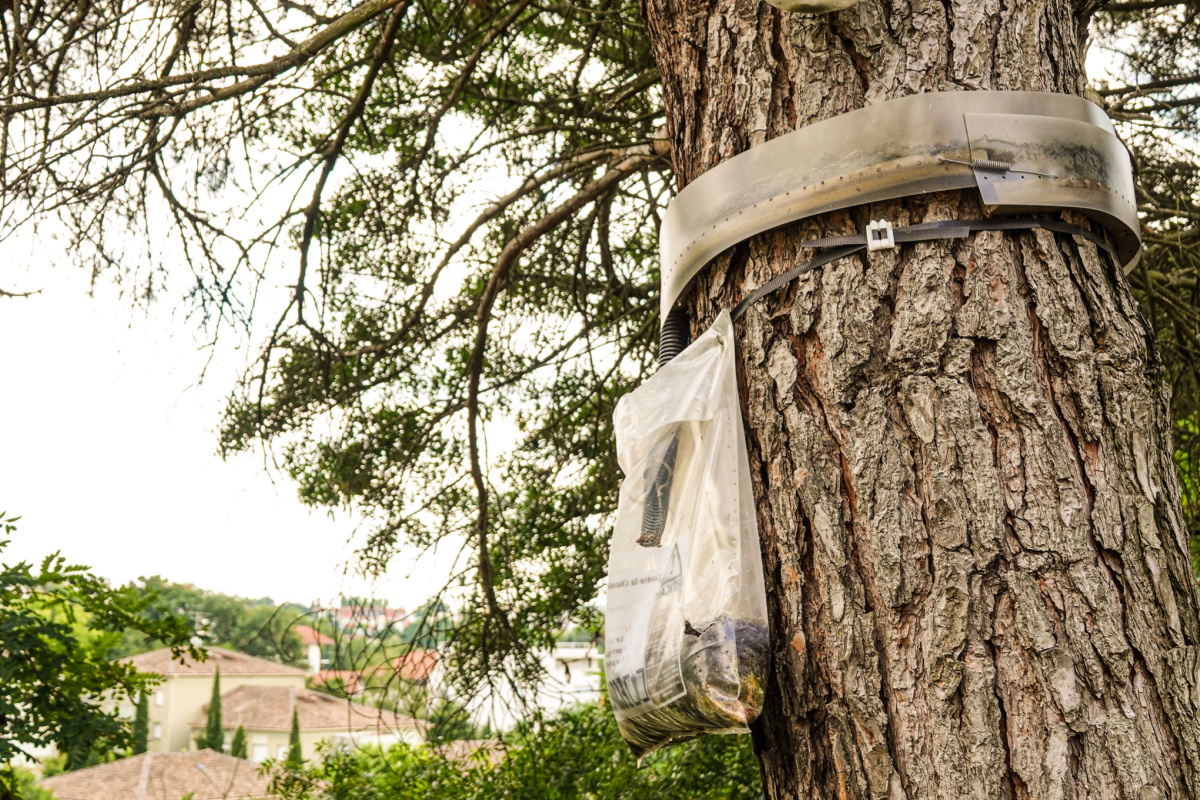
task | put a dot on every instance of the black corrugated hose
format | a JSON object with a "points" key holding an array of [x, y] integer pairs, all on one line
{"points": [[671, 342]]}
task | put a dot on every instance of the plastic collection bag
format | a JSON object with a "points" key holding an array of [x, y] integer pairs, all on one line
{"points": [[686, 621]]}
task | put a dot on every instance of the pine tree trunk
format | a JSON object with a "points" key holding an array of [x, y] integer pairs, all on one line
{"points": [[977, 568]]}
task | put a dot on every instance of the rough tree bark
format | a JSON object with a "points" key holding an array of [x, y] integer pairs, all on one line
{"points": [[971, 523]]}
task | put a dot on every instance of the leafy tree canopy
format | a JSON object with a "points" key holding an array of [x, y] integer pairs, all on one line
{"points": [[575, 756], [57, 624], [255, 627], [238, 747], [460, 199]]}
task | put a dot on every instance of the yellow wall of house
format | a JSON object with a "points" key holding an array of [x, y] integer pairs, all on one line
{"points": [[261, 745], [183, 700]]}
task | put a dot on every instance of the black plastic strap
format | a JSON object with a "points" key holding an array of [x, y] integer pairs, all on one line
{"points": [[843, 246], [789, 276]]}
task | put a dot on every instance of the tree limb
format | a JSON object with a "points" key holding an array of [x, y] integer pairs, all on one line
{"points": [[1165, 83], [1140, 5], [382, 51], [259, 73], [499, 277]]}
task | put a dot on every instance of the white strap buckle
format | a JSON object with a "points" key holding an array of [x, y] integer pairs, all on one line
{"points": [[880, 235]]}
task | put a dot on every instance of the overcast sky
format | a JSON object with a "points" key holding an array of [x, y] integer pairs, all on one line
{"points": [[108, 453]]}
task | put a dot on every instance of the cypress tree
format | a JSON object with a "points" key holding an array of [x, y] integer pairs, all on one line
{"points": [[238, 747], [141, 725], [294, 758], [214, 737]]}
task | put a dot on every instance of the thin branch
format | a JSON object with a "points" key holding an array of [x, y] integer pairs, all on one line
{"points": [[499, 277], [1140, 5], [298, 56], [531, 184], [1164, 83], [1165, 105], [468, 70], [382, 50]]}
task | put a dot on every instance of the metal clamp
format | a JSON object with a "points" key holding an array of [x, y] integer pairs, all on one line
{"points": [[880, 236], [1025, 152]]}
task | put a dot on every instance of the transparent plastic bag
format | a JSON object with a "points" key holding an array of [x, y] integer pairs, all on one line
{"points": [[686, 619]]}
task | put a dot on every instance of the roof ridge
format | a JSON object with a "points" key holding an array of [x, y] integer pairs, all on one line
{"points": [[216, 655], [144, 778], [97, 766]]}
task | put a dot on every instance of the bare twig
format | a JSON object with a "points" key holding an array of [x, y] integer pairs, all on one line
{"points": [[499, 277], [258, 73]]}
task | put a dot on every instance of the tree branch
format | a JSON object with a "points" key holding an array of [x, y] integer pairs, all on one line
{"points": [[382, 50], [259, 73], [1140, 5], [1165, 83], [530, 184], [499, 277]]}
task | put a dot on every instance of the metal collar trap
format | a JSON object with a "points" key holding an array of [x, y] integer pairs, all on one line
{"points": [[1025, 152]]}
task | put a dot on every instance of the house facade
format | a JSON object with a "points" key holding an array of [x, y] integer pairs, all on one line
{"points": [[315, 643], [571, 676], [187, 688], [265, 713], [369, 620]]}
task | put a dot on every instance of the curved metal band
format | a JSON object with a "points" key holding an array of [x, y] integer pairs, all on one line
{"points": [[1062, 150]]}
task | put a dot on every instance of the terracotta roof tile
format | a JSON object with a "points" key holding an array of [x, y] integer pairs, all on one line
{"points": [[347, 679], [310, 635], [269, 708], [229, 661], [415, 666], [163, 776]]}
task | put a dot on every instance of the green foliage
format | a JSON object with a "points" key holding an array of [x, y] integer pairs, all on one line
{"points": [[57, 624], [295, 756], [213, 737], [576, 756], [450, 721], [141, 724], [237, 748], [1153, 94], [19, 783], [431, 626], [255, 627]]}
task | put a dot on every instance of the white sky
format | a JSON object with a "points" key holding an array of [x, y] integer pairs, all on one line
{"points": [[108, 453]]}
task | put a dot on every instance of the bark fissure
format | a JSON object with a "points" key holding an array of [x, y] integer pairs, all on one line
{"points": [[1011, 779]]}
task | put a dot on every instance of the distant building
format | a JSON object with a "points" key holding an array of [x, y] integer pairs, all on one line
{"points": [[313, 641], [339, 681], [200, 775], [187, 688], [415, 666], [367, 619], [265, 712], [572, 677]]}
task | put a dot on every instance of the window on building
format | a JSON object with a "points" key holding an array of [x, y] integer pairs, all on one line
{"points": [[158, 698], [259, 753], [283, 748], [157, 730]]}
